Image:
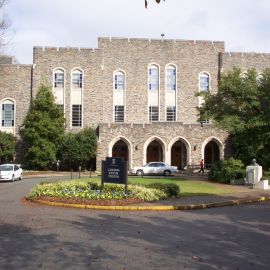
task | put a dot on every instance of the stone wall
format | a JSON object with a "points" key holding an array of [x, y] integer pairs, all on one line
{"points": [[89, 60], [138, 136], [245, 61], [134, 55], [15, 83]]}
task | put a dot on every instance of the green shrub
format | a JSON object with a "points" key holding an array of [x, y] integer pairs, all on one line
{"points": [[226, 170], [92, 191], [169, 189]]}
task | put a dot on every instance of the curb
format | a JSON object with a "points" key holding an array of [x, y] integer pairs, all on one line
{"points": [[158, 207]]}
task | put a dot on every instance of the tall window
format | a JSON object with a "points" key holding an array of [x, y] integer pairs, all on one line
{"points": [[204, 82], [119, 114], [153, 114], [76, 115], [59, 78], [171, 78], [8, 114], [171, 113], [77, 79], [153, 77], [119, 80]]}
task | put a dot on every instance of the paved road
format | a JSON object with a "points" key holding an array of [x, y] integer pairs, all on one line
{"points": [[41, 237]]}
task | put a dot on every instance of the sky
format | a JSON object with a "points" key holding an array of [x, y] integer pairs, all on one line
{"points": [[244, 25]]}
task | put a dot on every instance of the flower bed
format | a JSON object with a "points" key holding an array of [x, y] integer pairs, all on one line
{"points": [[81, 191]]}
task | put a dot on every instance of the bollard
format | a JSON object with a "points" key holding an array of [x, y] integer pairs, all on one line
{"points": [[90, 172], [80, 168]]}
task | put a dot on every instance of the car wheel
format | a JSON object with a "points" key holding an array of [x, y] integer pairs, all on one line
{"points": [[139, 173], [13, 178], [167, 173], [21, 177]]}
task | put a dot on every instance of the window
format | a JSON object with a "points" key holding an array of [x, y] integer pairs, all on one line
{"points": [[119, 114], [153, 78], [119, 81], [153, 114], [59, 78], [171, 113], [8, 115], [77, 79], [171, 78], [204, 82], [76, 115]]}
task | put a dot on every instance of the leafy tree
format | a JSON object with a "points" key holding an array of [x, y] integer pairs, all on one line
{"points": [[242, 107], [42, 130], [78, 149], [7, 147]]}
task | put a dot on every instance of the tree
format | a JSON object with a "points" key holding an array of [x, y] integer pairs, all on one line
{"points": [[242, 107], [7, 147], [3, 24], [77, 149], [42, 130], [146, 3]]}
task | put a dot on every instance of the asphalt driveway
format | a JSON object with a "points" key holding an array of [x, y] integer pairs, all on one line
{"points": [[42, 237]]}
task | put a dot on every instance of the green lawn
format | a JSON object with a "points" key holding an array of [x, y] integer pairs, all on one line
{"points": [[187, 187]]}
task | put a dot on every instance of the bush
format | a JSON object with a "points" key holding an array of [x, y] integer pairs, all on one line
{"points": [[169, 189], [226, 170], [92, 191]]}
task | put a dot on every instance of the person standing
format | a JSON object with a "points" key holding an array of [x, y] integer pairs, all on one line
{"points": [[201, 166]]}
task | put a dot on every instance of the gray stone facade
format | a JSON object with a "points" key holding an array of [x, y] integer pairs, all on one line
{"points": [[133, 57]]}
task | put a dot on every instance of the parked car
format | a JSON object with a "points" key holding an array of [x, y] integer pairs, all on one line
{"points": [[160, 168], [10, 172]]}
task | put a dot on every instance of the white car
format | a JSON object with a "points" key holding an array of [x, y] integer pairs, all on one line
{"points": [[10, 172], [160, 168]]}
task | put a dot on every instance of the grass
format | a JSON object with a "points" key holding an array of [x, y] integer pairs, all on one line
{"points": [[187, 187]]}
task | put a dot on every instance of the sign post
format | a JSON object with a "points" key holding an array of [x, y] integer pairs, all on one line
{"points": [[114, 170]]}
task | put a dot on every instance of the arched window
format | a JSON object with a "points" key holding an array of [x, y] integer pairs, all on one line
{"points": [[7, 113], [204, 81], [119, 80], [59, 78], [77, 78], [153, 77], [171, 78]]}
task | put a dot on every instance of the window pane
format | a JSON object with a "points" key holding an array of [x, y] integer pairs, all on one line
{"points": [[171, 113], [119, 83], [77, 80], [153, 114], [59, 79], [204, 82], [119, 113], [153, 78], [171, 78], [8, 115], [76, 115]]}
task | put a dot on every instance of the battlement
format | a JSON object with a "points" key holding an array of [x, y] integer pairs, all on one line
{"points": [[167, 41]]}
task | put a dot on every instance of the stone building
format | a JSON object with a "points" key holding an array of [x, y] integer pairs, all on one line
{"points": [[139, 94]]}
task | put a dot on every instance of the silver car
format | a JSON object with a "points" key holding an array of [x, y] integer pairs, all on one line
{"points": [[160, 168], [10, 172]]}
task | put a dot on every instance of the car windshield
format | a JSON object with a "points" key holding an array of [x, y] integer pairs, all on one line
{"points": [[6, 168]]}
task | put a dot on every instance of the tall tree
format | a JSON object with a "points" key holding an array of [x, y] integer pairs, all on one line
{"points": [[4, 24], [242, 107], [7, 147], [78, 149], [42, 130]]}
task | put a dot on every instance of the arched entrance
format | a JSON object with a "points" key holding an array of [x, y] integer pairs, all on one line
{"points": [[179, 155], [211, 153], [120, 149], [154, 152]]}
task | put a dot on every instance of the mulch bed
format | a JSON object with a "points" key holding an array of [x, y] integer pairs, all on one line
{"points": [[90, 202]]}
